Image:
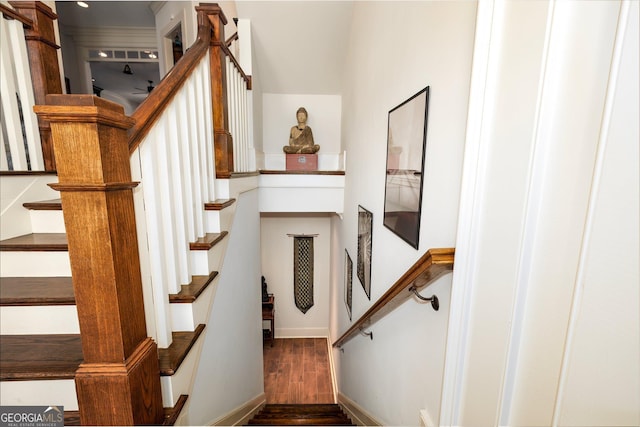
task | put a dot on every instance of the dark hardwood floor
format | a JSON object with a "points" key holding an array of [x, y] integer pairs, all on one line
{"points": [[296, 370]]}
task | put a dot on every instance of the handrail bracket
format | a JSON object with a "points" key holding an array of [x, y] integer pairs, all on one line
{"points": [[435, 302]]}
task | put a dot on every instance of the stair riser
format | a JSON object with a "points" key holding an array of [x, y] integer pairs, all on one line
{"points": [[41, 392], [218, 221], [179, 383], [30, 320], [47, 221], [34, 264], [17, 190], [204, 262], [186, 316]]}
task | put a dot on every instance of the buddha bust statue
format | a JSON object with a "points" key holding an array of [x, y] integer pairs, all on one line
{"points": [[301, 137]]}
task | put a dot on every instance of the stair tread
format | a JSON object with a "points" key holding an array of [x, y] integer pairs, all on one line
{"points": [[36, 242], [72, 418], [36, 357], [310, 413], [171, 358], [30, 291], [302, 417], [44, 205], [208, 241], [301, 406], [301, 414], [218, 204], [171, 414], [301, 422], [189, 293]]}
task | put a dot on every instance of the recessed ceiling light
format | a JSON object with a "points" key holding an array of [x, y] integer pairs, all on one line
{"points": [[82, 4]]}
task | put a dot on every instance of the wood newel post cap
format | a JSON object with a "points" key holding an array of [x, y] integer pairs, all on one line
{"points": [[212, 9], [217, 20], [34, 5], [83, 108], [89, 138]]}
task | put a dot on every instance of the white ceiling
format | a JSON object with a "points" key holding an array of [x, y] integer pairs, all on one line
{"points": [[106, 14], [299, 46], [134, 87]]}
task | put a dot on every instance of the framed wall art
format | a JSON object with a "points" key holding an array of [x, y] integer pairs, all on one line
{"points": [[406, 144], [365, 229], [348, 282]]}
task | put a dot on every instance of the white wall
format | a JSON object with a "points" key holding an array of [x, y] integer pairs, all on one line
{"points": [[277, 268], [230, 370], [395, 50], [544, 317]]}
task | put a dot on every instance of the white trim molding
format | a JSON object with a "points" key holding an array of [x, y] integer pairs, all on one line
{"points": [[468, 232], [357, 414]]}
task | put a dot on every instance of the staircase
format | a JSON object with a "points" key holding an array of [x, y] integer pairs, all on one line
{"points": [[40, 343], [301, 415], [145, 262]]}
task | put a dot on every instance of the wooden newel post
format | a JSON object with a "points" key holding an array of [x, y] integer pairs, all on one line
{"points": [[217, 56], [119, 381], [43, 62]]}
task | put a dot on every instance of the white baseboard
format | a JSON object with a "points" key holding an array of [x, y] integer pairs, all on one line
{"points": [[357, 414], [302, 333], [332, 368], [242, 414]]}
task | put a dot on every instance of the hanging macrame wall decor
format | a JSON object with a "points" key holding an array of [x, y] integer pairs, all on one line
{"points": [[303, 271]]}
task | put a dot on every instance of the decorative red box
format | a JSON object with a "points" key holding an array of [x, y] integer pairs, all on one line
{"points": [[302, 162]]}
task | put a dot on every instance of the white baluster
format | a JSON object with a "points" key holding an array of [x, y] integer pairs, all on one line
{"points": [[236, 118], [185, 124], [143, 247], [230, 104], [207, 111], [8, 90], [242, 117], [194, 92], [4, 163], [178, 201], [164, 189], [25, 89], [155, 238], [238, 114], [205, 133]]}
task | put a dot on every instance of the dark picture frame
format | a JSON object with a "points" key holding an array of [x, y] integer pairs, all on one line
{"points": [[365, 230], [406, 145], [348, 282]]}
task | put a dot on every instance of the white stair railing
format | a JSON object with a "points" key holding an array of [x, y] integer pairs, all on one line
{"points": [[239, 117], [20, 136], [175, 162]]}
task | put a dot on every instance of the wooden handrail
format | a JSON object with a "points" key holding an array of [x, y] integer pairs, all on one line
{"points": [[225, 49], [425, 271], [152, 107], [231, 39], [12, 14]]}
